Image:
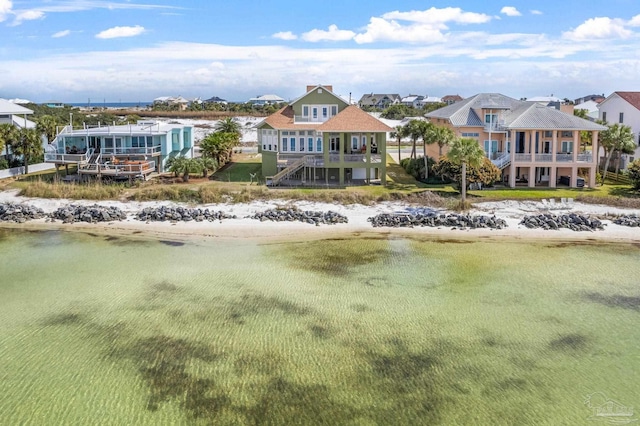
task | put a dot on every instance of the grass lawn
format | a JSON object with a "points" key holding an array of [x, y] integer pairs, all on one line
{"points": [[240, 169]]}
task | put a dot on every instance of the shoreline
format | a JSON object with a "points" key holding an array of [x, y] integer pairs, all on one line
{"points": [[244, 228]]}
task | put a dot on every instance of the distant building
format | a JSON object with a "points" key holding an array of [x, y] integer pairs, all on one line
{"points": [[178, 101], [414, 101], [595, 98], [16, 115], [591, 107], [379, 100], [215, 100], [623, 108], [451, 99], [54, 104], [266, 100]]}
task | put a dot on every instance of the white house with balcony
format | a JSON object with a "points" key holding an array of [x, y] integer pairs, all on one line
{"points": [[114, 150], [16, 115], [320, 139], [623, 108], [533, 145]]}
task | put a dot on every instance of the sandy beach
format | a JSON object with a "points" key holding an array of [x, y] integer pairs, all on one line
{"points": [[243, 227]]}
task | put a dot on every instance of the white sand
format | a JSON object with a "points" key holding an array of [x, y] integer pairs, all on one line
{"points": [[245, 228]]}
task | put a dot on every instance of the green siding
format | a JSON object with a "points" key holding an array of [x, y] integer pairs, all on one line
{"points": [[269, 163], [315, 98]]}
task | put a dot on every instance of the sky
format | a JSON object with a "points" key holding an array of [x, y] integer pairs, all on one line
{"points": [[138, 50]]}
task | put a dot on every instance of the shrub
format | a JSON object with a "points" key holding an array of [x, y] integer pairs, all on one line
{"points": [[487, 174], [633, 172], [415, 167]]}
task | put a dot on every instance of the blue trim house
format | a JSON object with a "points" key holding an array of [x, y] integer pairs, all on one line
{"points": [[107, 149]]}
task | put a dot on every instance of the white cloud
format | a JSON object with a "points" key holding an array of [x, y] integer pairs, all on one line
{"points": [[382, 30], [536, 12], [5, 9], [510, 11], [424, 26], [635, 21], [438, 17], [60, 34], [28, 15], [117, 32], [332, 34], [599, 28], [285, 35]]}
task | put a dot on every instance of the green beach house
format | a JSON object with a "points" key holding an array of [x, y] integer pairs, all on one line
{"points": [[320, 139]]}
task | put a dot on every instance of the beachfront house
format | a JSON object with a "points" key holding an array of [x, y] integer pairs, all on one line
{"points": [[319, 139], [265, 100], [379, 100], [121, 150], [533, 145], [623, 108], [16, 115], [451, 99]]}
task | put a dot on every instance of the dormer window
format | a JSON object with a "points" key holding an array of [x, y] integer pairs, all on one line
{"points": [[319, 90]]}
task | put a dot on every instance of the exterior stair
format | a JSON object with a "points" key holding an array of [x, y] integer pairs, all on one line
{"points": [[287, 172], [503, 161]]}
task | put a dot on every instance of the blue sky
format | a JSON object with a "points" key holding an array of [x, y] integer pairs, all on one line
{"points": [[137, 50]]}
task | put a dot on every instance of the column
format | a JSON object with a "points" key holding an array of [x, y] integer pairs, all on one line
{"points": [[553, 176], [592, 176], [554, 145], [532, 176], [512, 172], [595, 148], [576, 145], [532, 147], [574, 176], [382, 150]]}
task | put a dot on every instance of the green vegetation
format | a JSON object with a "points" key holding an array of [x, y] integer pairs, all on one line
{"points": [[633, 172], [465, 151]]}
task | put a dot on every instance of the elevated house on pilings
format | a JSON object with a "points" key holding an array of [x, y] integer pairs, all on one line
{"points": [[121, 151], [533, 145], [319, 139]]}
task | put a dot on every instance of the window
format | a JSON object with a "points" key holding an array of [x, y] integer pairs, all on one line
{"points": [[567, 134], [269, 147], [305, 111], [470, 135], [292, 142], [284, 144], [604, 115], [315, 112], [548, 133], [490, 118], [319, 144], [325, 111], [567, 147], [621, 117], [310, 144], [334, 110], [355, 142]]}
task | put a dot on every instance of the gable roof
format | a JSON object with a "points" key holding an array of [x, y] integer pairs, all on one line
{"points": [[353, 119], [368, 99], [282, 119], [7, 108], [632, 97], [328, 89], [518, 114]]}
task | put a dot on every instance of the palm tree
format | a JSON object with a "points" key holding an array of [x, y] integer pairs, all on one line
{"points": [[184, 166], [465, 151], [399, 133], [617, 137], [414, 130], [8, 135], [207, 164], [444, 136], [48, 126], [28, 145], [219, 146], [427, 135], [228, 125]]}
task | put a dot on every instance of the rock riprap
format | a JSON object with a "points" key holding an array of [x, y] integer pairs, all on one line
{"points": [[19, 213], [89, 214], [631, 220], [180, 214], [452, 220], [573, 221], [293, 215]]}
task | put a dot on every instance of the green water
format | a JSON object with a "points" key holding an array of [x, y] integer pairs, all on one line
{"points": [[359, 331]]}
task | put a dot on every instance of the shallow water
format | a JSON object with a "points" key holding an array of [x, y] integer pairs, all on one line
{"points": [[378, 330]]}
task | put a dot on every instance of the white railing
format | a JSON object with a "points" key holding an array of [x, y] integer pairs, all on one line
{"points": [[523, 157], [54, 157], [132, 150], [304, 119], [502, 161], [585, 157], [494, 127], [285, 173], [564, 158], [126, 168], [544, 157], [354, 158]]}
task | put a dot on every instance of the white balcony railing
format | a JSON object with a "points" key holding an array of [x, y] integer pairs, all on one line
{"points": [[151, 150], [564, 158], [523, 157], [544, 157], [54, 157], [354, 158], [305, 119]]}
